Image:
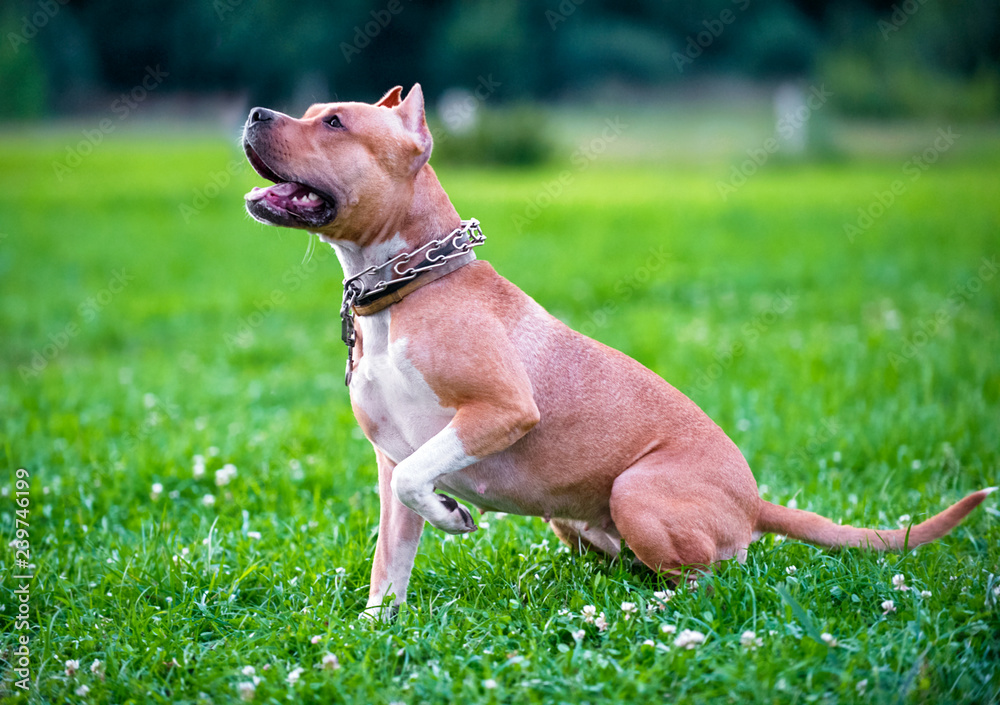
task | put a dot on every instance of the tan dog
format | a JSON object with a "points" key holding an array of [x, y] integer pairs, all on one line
{"points": [[464, 384]]}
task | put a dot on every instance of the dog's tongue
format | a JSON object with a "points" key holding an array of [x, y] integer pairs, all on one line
{"points": [[288, 195], [285, 189]]}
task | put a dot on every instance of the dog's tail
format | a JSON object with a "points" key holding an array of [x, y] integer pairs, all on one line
{"points": [[813, 528]]}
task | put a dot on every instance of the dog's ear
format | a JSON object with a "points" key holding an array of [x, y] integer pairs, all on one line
{"points": [[411, 112], [391, 99]]}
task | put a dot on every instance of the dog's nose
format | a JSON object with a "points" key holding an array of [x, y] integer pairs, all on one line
{"points": [[260, 115]]}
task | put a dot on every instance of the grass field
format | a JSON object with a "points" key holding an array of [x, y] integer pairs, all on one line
{"points": [[143, 325]]}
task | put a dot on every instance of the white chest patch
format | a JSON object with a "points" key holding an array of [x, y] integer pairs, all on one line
{"points": [[392, 392]]}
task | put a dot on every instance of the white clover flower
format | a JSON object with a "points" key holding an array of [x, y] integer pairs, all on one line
{"points": [[828, 639], [97, 668], [904, 520], [330, 662], [601, 623], [198, 470], [791, 570], [489, 684], [899, 583], [253, 535], [248, 670], [668, 628], [925, 594], [750, 640], [888, 606], [294, 675], [628, 608], [861, 685], [72, 666], [155, 491], [578, 635], [208, 500], [83, 690], [649, 642], [224, 474], [316, 639], [247, 690], [589, 612], [689, 639]]}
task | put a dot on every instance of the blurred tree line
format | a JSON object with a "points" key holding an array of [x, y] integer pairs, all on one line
{"points": [[887, 58]]}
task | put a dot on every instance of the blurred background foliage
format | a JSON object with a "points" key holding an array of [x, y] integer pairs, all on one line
{"points": [[911, 58]]}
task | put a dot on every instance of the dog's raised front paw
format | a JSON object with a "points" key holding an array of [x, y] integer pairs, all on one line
{"points": [[456, 520]]}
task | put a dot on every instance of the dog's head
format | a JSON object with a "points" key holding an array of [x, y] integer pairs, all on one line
{"points": [[340, 170]]}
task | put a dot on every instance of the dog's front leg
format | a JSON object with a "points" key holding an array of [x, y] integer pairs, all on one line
{"points": [[475, 432], [399, 530]]}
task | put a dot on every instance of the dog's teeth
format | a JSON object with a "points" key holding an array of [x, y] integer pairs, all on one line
{"points": [[312, 197]]}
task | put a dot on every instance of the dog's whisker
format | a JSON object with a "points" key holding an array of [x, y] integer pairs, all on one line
{"points": [[310, 249]]}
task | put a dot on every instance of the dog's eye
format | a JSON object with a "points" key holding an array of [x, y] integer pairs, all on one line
{"points": [[334, 121]]}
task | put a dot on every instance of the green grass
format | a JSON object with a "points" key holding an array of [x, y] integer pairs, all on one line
{"points": [[836, 393]]}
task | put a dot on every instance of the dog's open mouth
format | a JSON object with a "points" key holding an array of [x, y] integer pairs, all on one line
{"points": [[289, 203]]}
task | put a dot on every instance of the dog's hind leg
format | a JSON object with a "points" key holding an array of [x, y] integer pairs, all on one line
{"points": [[675, 520], [580, 537]]}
